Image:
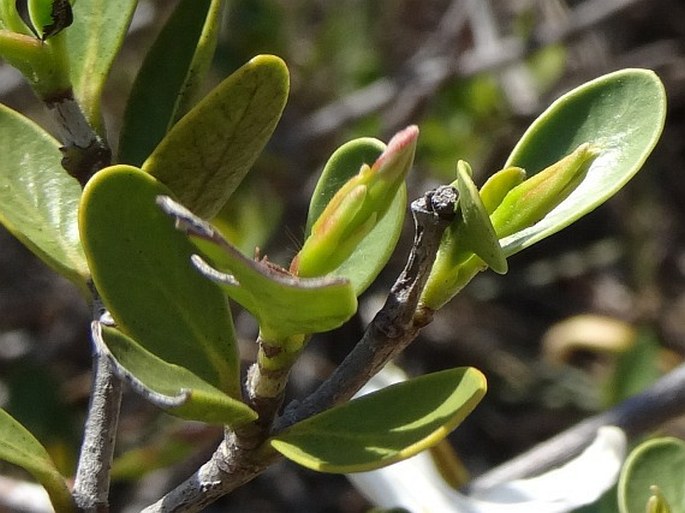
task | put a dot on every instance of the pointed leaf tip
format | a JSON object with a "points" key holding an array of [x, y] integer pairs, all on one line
{"points": [[356, 208], [621, 116], [477, 232], [399, 154]]}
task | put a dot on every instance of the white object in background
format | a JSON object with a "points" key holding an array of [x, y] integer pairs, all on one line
{"points": [[416, 484]]}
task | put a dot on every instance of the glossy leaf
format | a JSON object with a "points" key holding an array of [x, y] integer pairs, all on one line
{"points": [[169, 386], [620, 114], [477, 233], [169, 77], [38, 199], [534, 198], [19, 447], [456, 264], [374, 250], [283, 304], [658, 462], [206, 155], [141, 267], [384, 427], [93, 41]]}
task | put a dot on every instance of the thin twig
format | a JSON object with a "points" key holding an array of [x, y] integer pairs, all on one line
{"points": [[397, 324], [84, 151], [638, 415], [91, 486]]}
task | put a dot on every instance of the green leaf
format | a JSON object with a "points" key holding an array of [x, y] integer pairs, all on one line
{"points": [[356, 208], [534, 198], [141, 267], [93, 41], [620, 114], [456, 264], [374, 250], [10, 18], [170, 386], [169, 77], [341, 166], [49, 17], [19, 447], [384, 427], [658, 462], [38, 199], [283, 304], [206, 155], [498, 185], [477, 234]]}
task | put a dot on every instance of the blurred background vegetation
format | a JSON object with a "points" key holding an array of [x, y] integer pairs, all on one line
{"points": [[581, 321]]}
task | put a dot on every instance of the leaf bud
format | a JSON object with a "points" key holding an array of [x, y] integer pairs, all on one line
{"points": [[356, 208]]}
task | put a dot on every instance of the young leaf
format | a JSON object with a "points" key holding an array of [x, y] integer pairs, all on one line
{"points": [[456, 262], [356, 208], [373, 251], [19, 447], [283, 304], [93, 41], [620, 114], [657, 503], [534, 198], [658, 462], [169, 77], [206, 155], [170, 386], [38, 199], [384, 427], [496, 187], [141, 267], [477, 233]]}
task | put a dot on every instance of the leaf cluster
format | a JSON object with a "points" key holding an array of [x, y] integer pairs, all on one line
{"points": [[139, 236]]}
